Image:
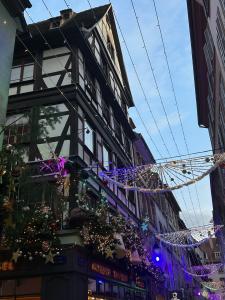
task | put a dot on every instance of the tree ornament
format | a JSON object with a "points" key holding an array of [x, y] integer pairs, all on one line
{"points": [[16, 255], [45, 246], [9, 147], [49, 257], [120, 250], [109, 253], [2, 170], [135, 257]]}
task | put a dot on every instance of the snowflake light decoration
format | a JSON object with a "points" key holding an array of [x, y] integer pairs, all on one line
{"points": [[164, 177], [203, 270], [191, 237]]}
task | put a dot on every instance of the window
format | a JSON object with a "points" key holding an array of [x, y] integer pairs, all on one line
{"points": [[98, 96], [110, 49], [217, 254], [22, 73], [207, 7], [56, 67], [222, 4], [23, 289], [106, 158], [52, 121], [15, 74], [89, 137], [220, 36], [89, 85], [19, 131], [81, 68]]}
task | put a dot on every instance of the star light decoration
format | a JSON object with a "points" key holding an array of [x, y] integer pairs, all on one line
{"points": [[191, 237], [203, 270], [165, 176]]}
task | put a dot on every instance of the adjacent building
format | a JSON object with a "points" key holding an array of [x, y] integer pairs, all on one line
{"points": [[207, 29], [68, 77], [11, 22]]}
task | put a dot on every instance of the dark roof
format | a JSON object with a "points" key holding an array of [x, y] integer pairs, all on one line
{"points": [[86, 18], [89, 17]]}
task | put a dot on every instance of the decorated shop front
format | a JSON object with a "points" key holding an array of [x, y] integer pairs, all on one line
{"points": [[106, 282]]}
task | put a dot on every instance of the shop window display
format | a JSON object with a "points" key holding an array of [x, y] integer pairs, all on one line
{"points": [[99, 289]]}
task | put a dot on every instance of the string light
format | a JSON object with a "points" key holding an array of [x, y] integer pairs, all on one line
{"points": [[164, 177], [191, 237], [203, 270]]}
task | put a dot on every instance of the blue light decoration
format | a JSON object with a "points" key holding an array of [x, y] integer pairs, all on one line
{"points": [[156, 255], [144, 224]]}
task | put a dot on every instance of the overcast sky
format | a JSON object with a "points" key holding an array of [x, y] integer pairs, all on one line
{"points": [[174, 23]]}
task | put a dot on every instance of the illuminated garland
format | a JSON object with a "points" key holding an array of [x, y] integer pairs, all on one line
{"points": [[203, 270], [191, 237], [164, 177], [213, 285]]}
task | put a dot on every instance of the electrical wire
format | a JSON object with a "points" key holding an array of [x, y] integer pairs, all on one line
{"points": [[174, 94], [47, 43], [139, 81]]}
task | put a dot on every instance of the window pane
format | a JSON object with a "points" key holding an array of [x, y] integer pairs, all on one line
{"points": [[65, 151], [46, 149], [26, 88], [66, 79], [52, 126], [12, 91], [105, 158], [56, 51], [28, 72], [51, 109], [51, 81], [54, 64], [91, 285], [15, 74]]}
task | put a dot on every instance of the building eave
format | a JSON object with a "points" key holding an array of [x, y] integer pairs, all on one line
{"points": [[197, 25]]}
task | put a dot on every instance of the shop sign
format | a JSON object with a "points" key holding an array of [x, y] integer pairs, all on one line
{"points": [[108, 272], [140, 283], [6, 266]]}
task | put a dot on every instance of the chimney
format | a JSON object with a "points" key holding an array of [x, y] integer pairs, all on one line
{"points": [[66, 14]]}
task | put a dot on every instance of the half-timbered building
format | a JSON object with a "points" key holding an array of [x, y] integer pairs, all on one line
{"points": [[69, 96]]}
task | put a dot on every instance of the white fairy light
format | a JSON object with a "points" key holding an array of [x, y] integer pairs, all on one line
{"points": [[164, 177], [203, 270], [191, 237]]}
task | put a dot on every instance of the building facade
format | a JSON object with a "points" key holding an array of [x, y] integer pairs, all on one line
{"points": [[163, 212], [206, 19], [11, 21], [69, 96]]}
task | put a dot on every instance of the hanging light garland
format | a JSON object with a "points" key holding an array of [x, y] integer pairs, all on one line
{"points": [[213, 285], [164, 177], [203, 270], [191, 237]]}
